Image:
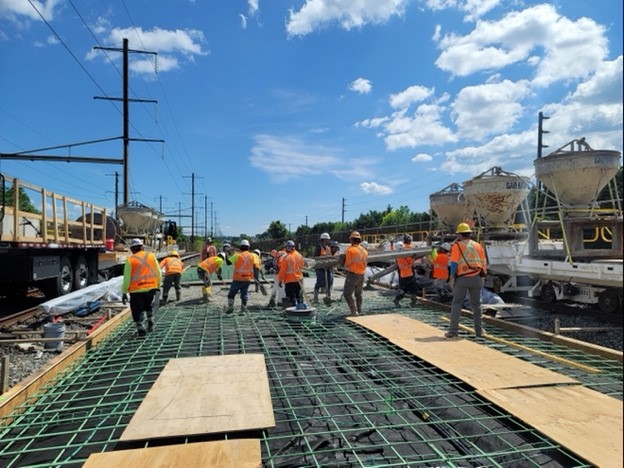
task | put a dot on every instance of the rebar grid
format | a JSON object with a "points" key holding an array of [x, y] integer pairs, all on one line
{"points": [[342, 396]]}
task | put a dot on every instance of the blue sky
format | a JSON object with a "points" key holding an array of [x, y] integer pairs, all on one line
{"points": [[282, 108]]}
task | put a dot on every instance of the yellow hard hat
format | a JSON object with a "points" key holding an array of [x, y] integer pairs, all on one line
{"points": [[174, 253], [355, 235], [463, 228]]}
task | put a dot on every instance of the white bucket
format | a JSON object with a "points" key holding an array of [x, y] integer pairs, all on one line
{"points": [[54, 330]]}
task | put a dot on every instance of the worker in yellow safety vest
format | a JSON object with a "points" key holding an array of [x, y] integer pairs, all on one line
{"points": [[467, 269], [205, 269], [173, 267], [142, 281], [355, 262]]}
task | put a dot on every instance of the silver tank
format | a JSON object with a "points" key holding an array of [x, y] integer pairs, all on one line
{"points": [[496, 195], [450, 205], [138, 219], [576, 177]]}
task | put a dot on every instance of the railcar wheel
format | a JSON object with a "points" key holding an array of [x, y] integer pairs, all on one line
{"points": [[548, 293], [609, 301], [81, 273]]}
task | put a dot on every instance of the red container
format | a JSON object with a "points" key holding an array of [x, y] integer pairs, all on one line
{"points": [[110, 244]]}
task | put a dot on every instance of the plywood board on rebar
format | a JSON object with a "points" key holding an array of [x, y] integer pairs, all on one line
{"points": [[583, 420], [235, 453], [479, 366], [205, 395]]}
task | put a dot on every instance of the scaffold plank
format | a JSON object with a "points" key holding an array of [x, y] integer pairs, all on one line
{"points": [[584, 421], [237, 453], [479, 366], [205, 395]]}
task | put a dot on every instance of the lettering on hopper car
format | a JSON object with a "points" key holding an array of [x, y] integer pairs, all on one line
{"points": [[516, 184]]}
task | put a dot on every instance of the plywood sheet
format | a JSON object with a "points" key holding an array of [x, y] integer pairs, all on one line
{"points": [[479, 366], [585, 421], [243, 453], [204, 395]]}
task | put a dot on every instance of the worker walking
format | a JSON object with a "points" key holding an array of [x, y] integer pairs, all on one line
{"points": [[324, 276], [205, 269], [208, 250], [242, 277], [141, 280], [291, 275], [407, 278], [355, 262], [440, 260], [467, 270], [173, 267]]}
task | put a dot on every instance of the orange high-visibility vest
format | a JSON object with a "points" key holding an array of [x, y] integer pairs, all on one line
{"points": [[469, 257], [144, 272], [405, 265], [356, 259], [440, 266], [211, 264], [243, 266], [291, 267], [173, 265]]}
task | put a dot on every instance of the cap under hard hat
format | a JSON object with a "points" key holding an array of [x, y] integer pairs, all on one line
{"points": [[463, 228], [325, 235], [355, 235], [135, 242]]}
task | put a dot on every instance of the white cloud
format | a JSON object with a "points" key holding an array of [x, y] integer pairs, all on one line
{"points": [[374, 187], [316, 14], [243, 20], [571, 48], [473, 8], [361, 85], [33, 10], [422, 157], [411, 95]]}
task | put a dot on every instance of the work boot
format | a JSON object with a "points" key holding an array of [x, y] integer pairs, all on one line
{"points": [[271, 302], [230, 308], [150, 326], [177, 296], [140, 329], [315, 297], [243, 309], [396, 302], [163, 300], [414, 301]]}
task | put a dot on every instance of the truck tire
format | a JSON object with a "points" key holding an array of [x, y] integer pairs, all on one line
{"points": [[63, 283], [609, 301], [81, 273], [548, 293]]}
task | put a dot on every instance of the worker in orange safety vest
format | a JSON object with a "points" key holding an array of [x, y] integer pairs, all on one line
{"points": [[290, 275], [244, 263], [355, 262], [173, 268]]}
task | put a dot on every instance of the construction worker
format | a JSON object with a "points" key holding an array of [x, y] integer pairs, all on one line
{"points": [[277, 290], [258, 273], [407, 278], [334, 247], [208, 250], [242, 277], [141, 280], [324, 276], [407, 241], [205, 269], [440, 261], [467, 270], [173, 267], [355, 262], [291, 275]]}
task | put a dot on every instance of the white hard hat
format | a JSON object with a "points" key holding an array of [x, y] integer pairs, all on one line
{"points": [[290, 244], [446, 246], [244, 243], [135, 242], [325, 236], [398, 245], [257, 251]]}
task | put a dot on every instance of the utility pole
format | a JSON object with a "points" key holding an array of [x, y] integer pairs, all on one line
{"points": [[116, 174], [343, 210], [540, 132], [126, 118], [192, 177], [212, 221]]}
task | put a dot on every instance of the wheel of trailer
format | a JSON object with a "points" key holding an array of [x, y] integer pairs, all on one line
{"points": [[81, 273], [609, 301], [548, 293]]}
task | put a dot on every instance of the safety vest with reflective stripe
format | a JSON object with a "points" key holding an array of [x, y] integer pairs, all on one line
{"points": [[356, 259], [211, 264], [173, 265], [145, 273], [440, 266], [243, 266], [469, 257], [405, 265], [291, 267]]}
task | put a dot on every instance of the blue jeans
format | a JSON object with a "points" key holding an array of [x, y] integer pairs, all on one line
{"points": [[243, 287]]}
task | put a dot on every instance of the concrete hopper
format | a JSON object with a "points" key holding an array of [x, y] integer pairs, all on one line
{"points": [[139, 220], [450, 205], [496, 194], [576, 176]]}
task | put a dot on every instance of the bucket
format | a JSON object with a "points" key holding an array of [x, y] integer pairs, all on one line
{"points": [[110, 244], [54, 330]]}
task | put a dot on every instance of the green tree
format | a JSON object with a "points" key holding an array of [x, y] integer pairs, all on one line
{"points": [[371, 219], [401, 215], [25, 204], [277, 230]]}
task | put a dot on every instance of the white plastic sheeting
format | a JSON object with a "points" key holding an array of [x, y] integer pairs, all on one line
{"points": [[107, 291]]}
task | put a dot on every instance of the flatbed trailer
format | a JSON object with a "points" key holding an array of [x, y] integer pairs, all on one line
{"points": [[47, 240]]}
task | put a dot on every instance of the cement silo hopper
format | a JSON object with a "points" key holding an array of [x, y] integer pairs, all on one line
{"points": [[139, 220], [576, 176], [450, 205], [496, 195]]}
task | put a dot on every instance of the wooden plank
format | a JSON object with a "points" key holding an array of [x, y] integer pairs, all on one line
{"points": [[235, 453], [204, 395], [584, 421], [479, 366]]}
